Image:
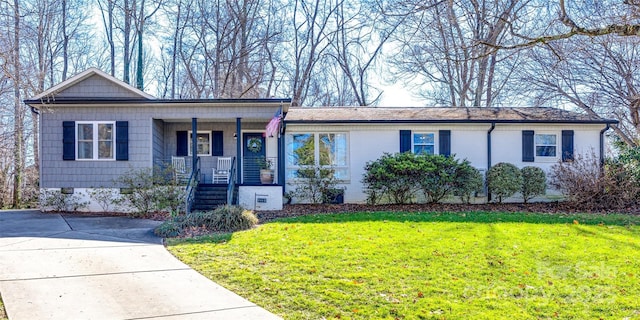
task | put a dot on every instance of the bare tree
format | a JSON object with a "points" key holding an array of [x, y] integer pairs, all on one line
{"points": [[107, 11], [356, 47], [443, 46], [598, 76], [312, 35]]}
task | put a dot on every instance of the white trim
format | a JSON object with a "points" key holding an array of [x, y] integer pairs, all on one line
{"points": [[95, 140], [538, 158], [51, 92], [316, 156], [190, 139], [435, 141]]}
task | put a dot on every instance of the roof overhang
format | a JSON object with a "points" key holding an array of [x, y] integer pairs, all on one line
{"points": [[168, 103], [49, 95]]}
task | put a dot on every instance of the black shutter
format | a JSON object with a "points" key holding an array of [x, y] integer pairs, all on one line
{"points": [[182, 143], [444, 142], [405, 140], [567, 145], [218, 144], [68, 140], [122, 140], [528, 152]]}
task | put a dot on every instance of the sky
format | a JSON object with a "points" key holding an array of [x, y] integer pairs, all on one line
{"points": [[397, 95]]}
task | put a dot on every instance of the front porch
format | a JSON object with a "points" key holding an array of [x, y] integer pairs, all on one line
{"points": [[217, 142]]}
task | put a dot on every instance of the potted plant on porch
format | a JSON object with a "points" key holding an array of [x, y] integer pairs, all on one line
{"points": [[266, 170]]}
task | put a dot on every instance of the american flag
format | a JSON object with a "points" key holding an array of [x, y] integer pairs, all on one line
{"points": [[274, 123]]}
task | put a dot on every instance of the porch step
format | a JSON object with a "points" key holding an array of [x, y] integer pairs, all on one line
{"points": [[209, 197]]}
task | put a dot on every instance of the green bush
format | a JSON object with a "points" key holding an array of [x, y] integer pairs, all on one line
{"points": [[222, 219], [468, 182], [392, 178], [504, 179], [437, 176], [396, 178], [534, 182]]}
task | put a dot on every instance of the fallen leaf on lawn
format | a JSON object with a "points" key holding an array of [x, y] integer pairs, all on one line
{"points": [[576, 222]]}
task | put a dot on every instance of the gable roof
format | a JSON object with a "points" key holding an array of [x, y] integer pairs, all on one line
{"points": [[438, 115], [102, 86]]}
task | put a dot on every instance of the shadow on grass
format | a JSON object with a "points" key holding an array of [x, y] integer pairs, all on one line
{"points": [[209, 238], [468, 217]]}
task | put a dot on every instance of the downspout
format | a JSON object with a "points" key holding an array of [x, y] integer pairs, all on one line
{"points": [[493, 126], [602, 145]]}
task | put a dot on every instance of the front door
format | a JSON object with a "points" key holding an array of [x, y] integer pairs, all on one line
{"points": [[253, 151]]}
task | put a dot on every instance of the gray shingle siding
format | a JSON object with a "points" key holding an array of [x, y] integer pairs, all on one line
{"points": [[96, 86], [152, 138], [57, 173]]}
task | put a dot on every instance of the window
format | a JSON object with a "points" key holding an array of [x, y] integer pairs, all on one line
{"points": [[545, 145], [423, 143], [317, 149], [95, 140], [203, 143]]}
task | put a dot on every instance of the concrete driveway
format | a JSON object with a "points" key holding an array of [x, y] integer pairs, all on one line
{"points": [[64, 267]]}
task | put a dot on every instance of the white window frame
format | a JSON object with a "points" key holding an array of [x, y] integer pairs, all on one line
{"points": [[190, 139], [95, 141], [536, 145], [316, 154], [435, 141]]}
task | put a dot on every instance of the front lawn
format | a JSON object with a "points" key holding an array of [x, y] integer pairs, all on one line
{"points": [[3, 314], [430, 265]]}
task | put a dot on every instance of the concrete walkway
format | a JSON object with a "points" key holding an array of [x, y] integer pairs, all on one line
{"points": [[63, 267]]}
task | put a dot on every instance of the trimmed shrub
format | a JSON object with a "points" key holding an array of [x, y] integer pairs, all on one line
{"points": [[504, 180], [396, 178], [392, 178], [222, 219], [438, 176], [468, 182], [534, 182]]}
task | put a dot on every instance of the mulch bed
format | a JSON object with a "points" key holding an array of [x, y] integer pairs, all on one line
{"points": [[294, 210]]}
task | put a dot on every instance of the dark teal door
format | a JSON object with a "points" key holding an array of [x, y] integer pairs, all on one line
{"points": [[252, 151]]}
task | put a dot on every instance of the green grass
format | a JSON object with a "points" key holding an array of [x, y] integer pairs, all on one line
{"points": [[430, 265], [3, 313]]}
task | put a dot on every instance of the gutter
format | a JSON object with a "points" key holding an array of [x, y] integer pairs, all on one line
{"points": [[493, 126], [451, 121], [607, 127]]}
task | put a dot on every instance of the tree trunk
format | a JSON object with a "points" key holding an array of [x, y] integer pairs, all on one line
{"points": [[126, 63], [140, 29], [17, 108], [65, 42]]}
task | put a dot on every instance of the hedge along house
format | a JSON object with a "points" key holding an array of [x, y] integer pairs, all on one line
{"points": [[95, 128], [346, 138]]}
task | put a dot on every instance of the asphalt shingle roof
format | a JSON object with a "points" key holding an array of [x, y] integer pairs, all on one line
{"points": [[383, 114]]}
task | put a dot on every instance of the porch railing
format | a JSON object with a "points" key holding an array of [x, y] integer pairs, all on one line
{"points": [[192, 185], [232, 182]]}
